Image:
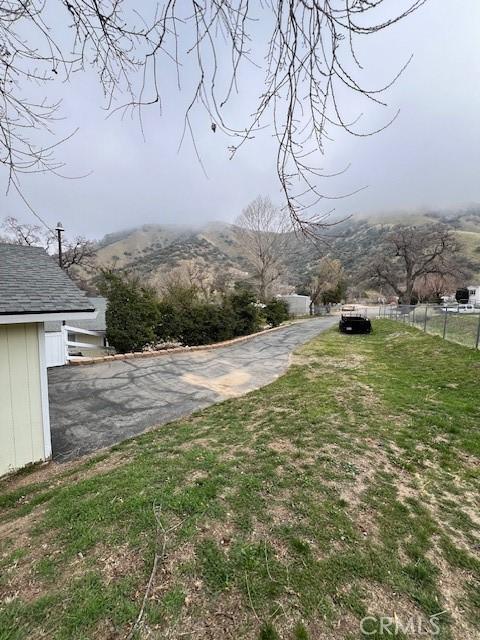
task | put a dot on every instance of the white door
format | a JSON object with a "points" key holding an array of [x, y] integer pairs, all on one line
{"points": [[55, 349]]}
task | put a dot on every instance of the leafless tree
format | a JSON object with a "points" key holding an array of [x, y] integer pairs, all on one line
{"points": [[326, 276], [307, 52], [433, 286], [262, 230], [197, 276], [411, 254], [79, 252], [27, 234], [75, 253]]}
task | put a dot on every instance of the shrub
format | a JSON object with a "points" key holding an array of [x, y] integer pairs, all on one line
{"points": [[169, 322], [240, 306], [132, 312], [276, 312], [204, 323]]}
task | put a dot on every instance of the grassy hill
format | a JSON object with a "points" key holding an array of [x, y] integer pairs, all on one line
{"points": [[360, 237], [154, 250]]}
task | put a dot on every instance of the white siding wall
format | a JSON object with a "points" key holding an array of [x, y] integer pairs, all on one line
{"points": [[22, 407], [297, 305], [474, 294], [56, 349]]}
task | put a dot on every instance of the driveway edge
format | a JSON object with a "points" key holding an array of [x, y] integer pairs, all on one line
{"points": [[167, 352]]}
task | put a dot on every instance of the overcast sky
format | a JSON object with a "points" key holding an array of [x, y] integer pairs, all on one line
{"points": [[429, 157]]}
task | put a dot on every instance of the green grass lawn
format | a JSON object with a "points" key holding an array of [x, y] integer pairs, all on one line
{"points": [[349, 488]]}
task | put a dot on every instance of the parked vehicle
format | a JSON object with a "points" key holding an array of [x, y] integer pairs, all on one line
{"points": [[461, 308], [354, 324]]}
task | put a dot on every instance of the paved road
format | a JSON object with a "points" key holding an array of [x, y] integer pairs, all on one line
{"points": [[94, 406]]}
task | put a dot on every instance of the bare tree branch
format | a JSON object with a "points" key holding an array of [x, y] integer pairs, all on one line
{"points": [[79, 252], [307, 52]]}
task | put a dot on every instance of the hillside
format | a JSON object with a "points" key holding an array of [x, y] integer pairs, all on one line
{"points": [[360, 237], [155, 250]]}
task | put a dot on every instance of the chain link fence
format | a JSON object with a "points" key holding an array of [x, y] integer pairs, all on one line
{"points": [[451, 323]]}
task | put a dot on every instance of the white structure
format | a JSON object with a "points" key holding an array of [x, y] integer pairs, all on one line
{"points": [[474, 294], [56, 353], [33, 290], [297, 305], [85, 337]]}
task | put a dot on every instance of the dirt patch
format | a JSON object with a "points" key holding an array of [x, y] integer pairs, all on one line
{"points": [[20, 579], [228, 385], [353, 361], [282, 446], [17, 531], [57, 474], [366, 467], [346, 626], [401, 611], [204, 618], [368, 397], [118, 562], [203, 443], [221, 531], [451, 583], [397, 334]]}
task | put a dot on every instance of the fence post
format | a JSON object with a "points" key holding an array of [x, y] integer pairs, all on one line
{"points": [[445, 324], [413, 316], [477, 343], [425, 319]]}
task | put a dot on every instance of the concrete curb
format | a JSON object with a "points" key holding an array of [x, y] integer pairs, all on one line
{"points": [[167, 352]]}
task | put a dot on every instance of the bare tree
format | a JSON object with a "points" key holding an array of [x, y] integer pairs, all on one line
{"points": [[75, 253], [262, 230], [307, 53], [433, 286], [26, 234], [327, 276], [79, 252], [411, 254]]}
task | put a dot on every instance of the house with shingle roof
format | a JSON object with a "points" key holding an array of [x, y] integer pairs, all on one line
{"points": [[33, 290]]}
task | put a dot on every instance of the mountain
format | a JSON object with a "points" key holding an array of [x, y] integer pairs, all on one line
{"points": [[359, 238], [155, 250]]}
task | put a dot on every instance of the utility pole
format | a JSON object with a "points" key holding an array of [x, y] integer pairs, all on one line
{"points": [[59, 229]]}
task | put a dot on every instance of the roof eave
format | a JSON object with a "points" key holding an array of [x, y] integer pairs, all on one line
{"points": [[24, 318]]}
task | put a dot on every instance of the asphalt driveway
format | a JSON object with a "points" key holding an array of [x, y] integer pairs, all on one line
{"points": [[94, 406]]}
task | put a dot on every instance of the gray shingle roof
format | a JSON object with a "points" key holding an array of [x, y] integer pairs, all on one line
{"points": [[31, 282], [98, 323]]}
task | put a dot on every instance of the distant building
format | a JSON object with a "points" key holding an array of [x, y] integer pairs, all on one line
{"points": [[297, 305], [474, 294]]}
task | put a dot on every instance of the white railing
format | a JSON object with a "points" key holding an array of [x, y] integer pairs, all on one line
{"points": [[77, 345]]}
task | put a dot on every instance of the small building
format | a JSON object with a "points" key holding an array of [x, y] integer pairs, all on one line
{"points": [[474, 294], [297, 305], [33, 290]]}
